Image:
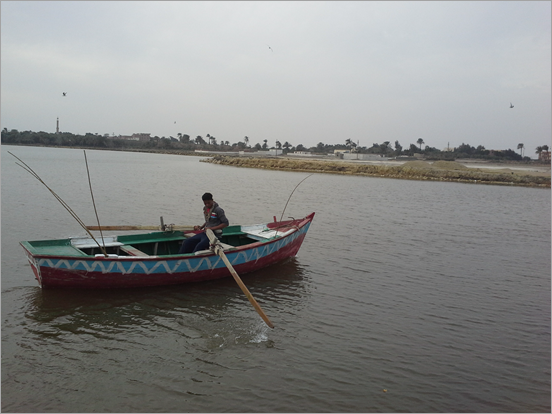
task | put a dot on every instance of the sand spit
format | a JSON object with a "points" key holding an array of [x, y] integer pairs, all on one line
{"points": [[412, 170]]}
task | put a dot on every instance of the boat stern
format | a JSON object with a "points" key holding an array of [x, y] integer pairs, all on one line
{"points": [[33, 263]]}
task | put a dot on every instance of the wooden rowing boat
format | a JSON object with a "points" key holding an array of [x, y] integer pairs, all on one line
{"points": [[152, 259]]}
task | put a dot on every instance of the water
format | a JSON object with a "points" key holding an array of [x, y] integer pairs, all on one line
{"points": [[405, 296]]}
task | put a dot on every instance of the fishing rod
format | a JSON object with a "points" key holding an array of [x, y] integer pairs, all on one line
{"points": [[58, 198], [93, 203], [282, 216]]}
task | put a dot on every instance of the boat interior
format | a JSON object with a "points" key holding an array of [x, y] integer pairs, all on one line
{"points": [[160, 243], [148, 244], [157, 243]]}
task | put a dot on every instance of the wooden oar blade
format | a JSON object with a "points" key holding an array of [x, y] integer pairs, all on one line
{"points": [[219, 251], [244, 288]]}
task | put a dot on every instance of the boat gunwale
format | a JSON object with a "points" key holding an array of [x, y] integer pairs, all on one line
{"points": [[184, 256]]}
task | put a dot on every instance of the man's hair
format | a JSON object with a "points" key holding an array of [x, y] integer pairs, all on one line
{"points": [[207, 196]]}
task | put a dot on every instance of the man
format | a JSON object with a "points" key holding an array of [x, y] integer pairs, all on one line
{"points": [[215, 219]]}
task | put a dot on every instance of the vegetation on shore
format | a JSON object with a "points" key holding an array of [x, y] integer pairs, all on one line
{"points": [[438, 170], [412, 170], [184, 143]]}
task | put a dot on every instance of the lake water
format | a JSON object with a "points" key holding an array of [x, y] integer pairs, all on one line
{"points": [[406, 296]]}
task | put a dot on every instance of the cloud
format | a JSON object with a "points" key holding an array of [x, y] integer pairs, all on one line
{"points": [[370, 71]]}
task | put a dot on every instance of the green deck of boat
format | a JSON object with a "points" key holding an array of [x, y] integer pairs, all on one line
{"points": [[167, 243], [53, 248]]}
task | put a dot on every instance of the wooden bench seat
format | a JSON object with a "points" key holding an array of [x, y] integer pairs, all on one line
{"points": [[224, 246], [133, 251]]}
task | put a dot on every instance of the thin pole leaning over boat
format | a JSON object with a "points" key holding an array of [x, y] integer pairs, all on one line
{"points": [[93, 202], [58, 198], [282, 216], [218, 250]]}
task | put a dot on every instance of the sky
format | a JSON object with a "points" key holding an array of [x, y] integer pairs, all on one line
{"points": [[297, 72]]}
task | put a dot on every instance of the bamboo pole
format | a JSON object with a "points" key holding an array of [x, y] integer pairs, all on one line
{"points": [[58, 198]]}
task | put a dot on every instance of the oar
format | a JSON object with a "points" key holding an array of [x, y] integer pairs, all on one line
{"points": [[168, 228], [218, 250]]}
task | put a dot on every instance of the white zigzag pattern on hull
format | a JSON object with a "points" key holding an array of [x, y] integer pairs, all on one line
{"points": [[212, 262]]}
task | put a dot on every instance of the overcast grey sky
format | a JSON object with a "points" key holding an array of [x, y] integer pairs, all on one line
{"points": [[302, 72]]}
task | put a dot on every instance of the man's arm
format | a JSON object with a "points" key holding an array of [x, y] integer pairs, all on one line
{"points": [[219, 227]]}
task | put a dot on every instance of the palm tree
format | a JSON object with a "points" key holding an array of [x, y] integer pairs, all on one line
{"points": [[420, 142], [351, 144], [265, 145], [286, 146], [398, 148], [539, 150], [386, 148], [520, 147], [212, 139], [246, 140]]}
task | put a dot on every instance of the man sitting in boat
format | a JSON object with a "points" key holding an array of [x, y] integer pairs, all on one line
{"points": [[215, 219]]}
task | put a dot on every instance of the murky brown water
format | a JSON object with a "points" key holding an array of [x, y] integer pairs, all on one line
{"points": [[438, 293]]}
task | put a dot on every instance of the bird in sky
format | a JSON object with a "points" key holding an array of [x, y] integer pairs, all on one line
{"points": [[64, 93], [511, 106], [270, 48]]}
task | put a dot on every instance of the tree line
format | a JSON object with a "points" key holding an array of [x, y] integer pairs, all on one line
{"points": [[185, 142]]}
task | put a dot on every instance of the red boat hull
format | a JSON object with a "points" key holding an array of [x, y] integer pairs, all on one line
{"points": [[128, 272]]}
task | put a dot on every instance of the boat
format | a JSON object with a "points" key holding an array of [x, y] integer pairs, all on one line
{"points": [[152, 259]]}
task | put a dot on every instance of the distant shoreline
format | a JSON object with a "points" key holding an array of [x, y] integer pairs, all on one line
{"points": [[474, 171]]}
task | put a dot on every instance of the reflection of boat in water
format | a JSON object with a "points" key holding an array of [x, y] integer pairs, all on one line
{"points": [[152, 259]]}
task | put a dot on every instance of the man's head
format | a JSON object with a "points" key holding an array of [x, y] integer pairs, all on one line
{"points": [[207, 199]]}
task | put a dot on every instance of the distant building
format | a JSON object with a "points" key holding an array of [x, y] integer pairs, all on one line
{"points": [[448, 148], [300, 154], [142, 136], [363, 157], [274, 151], [135, 137], [126, 137], [544, 156]]}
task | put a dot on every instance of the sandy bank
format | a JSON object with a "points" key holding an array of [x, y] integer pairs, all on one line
{"points": [[412, 170]]}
